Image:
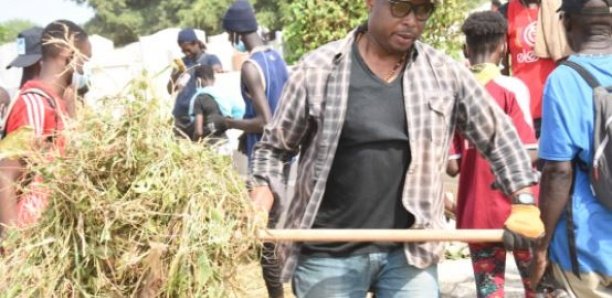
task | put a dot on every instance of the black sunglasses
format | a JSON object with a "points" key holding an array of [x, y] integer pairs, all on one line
{"points": [[400, 9]]}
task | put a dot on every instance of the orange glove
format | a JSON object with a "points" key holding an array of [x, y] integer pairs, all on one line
{"points": [[523, 227]]}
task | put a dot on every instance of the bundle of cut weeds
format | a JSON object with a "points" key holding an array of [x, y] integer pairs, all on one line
{"points": [[133, 212]]}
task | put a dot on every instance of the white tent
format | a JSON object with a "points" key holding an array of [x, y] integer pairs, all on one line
{"points": [[9, 78]]}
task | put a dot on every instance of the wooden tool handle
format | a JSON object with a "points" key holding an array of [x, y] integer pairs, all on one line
{"points": [[322, 235]]}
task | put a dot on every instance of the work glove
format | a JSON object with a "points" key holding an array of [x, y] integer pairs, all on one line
{"points": [[523, 227]]}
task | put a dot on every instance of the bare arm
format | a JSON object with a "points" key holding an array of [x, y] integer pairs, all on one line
{"points": [[172, 86], [199, 127], [254, 83], [557, 178], [10, 172], [281, 140]]}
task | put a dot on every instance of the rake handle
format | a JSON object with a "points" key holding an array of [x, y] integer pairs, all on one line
{"points": [[325, 235]]}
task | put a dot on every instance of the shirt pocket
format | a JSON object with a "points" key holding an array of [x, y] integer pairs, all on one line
{"points": [[440, 109]]}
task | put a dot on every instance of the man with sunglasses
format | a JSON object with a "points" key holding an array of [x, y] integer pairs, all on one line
{"points": [[372, 117]]}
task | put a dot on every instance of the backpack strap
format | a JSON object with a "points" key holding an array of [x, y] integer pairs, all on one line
{"points": [[191, 112], [38, 92], [583, 72], [570, 227]]}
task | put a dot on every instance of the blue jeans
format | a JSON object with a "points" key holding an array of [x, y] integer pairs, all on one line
{"points": [[387, 274]]}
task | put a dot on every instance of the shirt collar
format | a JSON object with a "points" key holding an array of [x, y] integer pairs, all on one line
{"points": [[260, 49], [485, 72]]}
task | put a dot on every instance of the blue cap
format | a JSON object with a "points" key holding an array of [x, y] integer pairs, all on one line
{"points": [[240, 18], [187, 35]]}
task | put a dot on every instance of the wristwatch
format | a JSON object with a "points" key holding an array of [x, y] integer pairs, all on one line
{"points": [[524, 199]]}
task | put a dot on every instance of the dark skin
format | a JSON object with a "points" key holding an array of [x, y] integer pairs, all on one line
{"points": [[388, 39], [192, 50], [56, 72], [585, 37], [33, 71], [199, 119], [251, 77], [29, 73]]}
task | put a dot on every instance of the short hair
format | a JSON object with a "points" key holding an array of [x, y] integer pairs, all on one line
{"points": [[59, 35], [496, 3], [205, 72], [484, 31]]}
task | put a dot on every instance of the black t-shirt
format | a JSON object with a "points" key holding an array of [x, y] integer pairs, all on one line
{"points": [[365, 184], [207, 106]]}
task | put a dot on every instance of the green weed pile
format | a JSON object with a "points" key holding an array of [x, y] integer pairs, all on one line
{"points": [[134, 212]]}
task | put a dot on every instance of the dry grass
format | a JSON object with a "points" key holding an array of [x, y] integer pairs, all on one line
{"points": [[134, 212]]}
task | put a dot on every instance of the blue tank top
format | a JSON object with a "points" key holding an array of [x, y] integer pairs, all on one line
{"points": [[273, 68]]}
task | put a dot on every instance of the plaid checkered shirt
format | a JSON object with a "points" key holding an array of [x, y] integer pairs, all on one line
{"points": [[440, 95]]}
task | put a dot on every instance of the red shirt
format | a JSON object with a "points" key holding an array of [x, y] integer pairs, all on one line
{"points": [[36, 111], [478, 205], [529, 68], [39, 113]]}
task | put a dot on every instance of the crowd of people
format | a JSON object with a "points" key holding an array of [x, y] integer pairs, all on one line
{"points": [[373, 122]]}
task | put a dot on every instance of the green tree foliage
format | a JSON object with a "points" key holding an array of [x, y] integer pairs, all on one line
{"points": [[10, 29], [271, 13], [124, 20], [312, 23]]}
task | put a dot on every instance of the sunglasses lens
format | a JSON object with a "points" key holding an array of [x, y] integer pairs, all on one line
{"points": [[401, 9], [423, 12]]}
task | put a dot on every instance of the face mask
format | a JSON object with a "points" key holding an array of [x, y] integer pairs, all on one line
{"points": [[79, 81], [240, 47]]}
